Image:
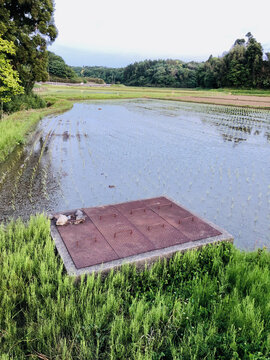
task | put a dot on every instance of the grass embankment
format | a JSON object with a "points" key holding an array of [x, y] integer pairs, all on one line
{"points": [[15, 128], [209, 304]]}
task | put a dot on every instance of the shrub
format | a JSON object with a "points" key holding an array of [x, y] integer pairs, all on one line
{"points": [[24, 102]]}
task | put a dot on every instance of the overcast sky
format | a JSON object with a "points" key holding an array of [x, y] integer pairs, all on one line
{"points": [[119, 32]]}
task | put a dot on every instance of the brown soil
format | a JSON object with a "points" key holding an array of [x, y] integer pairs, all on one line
{"points": [[236, 100]]}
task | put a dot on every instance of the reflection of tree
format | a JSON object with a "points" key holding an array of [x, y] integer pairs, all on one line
{"points": [[41, 142], [65, 136]]}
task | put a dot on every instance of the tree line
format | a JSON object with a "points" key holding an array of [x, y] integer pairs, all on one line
{"points": [[243, 66], [162, 73]]}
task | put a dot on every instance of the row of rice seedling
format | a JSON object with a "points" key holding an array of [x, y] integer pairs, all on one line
{"points": [[7, 167], [23, 163], [16, 168], [45, 161], [36, 167]]}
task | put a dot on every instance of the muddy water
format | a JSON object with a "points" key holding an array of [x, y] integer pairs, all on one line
{"points": [[212, 159]]}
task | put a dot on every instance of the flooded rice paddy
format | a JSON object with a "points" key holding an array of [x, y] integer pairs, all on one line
{"points": [[212, 159]]}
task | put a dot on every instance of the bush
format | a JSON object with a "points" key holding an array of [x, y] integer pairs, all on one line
{"points": [[24, 102], [95, 80], [56, 79]]}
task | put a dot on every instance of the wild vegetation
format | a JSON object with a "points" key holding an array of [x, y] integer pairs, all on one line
{"points": [[209, 304]]}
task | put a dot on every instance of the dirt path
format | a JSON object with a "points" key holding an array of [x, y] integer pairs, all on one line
{"points": [[236, 100]]}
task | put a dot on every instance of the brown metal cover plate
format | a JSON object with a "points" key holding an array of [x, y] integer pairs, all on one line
{"points": [[121, 234], [117, 231], [86, 245], [152, 226]]}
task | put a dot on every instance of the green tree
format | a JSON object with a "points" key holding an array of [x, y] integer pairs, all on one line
{"points": [[254, 58], [173, 73], [9, 78], [29, 25], [210, 73], [242, 66], [57, 67], [265, 76], [236, 72]]}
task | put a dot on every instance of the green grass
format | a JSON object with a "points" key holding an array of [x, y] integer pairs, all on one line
{"points": [[15, 128], [209, 304], [255, 92]]}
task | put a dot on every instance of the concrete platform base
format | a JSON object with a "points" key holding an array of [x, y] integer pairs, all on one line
{"points": [[168, 211]]}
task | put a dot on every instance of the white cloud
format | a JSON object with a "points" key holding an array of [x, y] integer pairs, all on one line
{"points": [[173, 28]]}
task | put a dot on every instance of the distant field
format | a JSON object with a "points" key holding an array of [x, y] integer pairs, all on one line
{"points": [[245, 98]]}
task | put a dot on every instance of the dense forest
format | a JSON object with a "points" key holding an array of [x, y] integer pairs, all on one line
{"points": [[244, 65]]}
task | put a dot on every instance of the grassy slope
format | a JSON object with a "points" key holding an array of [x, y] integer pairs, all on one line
{"points": [[209, 304], [14, 128]]}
